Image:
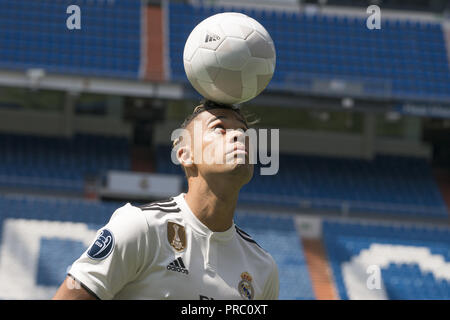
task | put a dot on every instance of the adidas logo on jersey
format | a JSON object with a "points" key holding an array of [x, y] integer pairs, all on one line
{"points": [[178, 266], [211, 37]]}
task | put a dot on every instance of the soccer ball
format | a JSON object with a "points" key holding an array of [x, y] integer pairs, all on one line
{"points": [[229, 58]]}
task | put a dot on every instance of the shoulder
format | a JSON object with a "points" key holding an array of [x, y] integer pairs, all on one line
{"points": [[253, 248], [158, 212], [135, 223], [139, 218], [166, 206]]}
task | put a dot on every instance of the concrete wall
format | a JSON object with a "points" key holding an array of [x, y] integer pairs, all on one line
{"points": [[329, 144]]}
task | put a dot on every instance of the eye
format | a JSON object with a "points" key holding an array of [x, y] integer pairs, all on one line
{"points": [[219, 129]]}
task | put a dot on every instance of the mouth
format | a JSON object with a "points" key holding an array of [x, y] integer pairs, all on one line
{"points": [[238, 149]]}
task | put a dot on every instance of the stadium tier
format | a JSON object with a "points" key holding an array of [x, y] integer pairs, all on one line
{"points": [[414, 261], [278, 236], [59, 163], [45, 235], [315, 47], [401, 186], [33, 34]]}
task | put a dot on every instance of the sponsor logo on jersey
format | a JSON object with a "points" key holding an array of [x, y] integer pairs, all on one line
{"points": [[245, 286], [178, 266], [102, 246], [176, 236]]}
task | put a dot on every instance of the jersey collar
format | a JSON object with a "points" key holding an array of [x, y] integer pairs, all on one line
{"points": [[197, 225]]}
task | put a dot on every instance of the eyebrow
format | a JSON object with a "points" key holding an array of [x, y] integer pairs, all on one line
{"points": [[223, 117]]}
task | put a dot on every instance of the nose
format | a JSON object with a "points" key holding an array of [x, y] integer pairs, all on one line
{"points": [[237, 135]]}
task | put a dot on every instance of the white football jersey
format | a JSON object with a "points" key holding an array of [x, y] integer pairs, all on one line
{"points": [[162, 251]]}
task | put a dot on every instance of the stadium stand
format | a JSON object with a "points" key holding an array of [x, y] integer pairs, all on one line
{"points": [[321, 47], [107, 45], [57, 249], [414, 261], [407, 60], [59, 163], [402, 186], [277, 235]]}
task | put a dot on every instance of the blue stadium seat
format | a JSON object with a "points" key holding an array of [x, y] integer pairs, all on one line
{"points": [[384, 56], [411, 260], [277, 235], [387, 185], [108, 43], [59, 163]]}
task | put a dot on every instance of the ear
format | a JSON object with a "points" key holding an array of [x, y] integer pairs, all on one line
{"points": [[184, 156]]}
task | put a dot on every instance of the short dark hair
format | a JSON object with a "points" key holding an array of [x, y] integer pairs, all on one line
{"points": [[209, 105]]}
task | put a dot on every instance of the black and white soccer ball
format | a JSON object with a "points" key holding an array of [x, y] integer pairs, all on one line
{"points": [[229, 58]]}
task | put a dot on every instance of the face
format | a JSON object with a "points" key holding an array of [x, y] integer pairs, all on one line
{"points": [[219, 145]]}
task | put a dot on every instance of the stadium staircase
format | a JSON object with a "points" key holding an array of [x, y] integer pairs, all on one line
{"points": [[155, 44], [413, 260], [442, 177], [319, 270]]}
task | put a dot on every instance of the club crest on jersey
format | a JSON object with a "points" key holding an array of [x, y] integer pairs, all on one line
{"points": [[102, 246], [245, 286], [176, 235]]}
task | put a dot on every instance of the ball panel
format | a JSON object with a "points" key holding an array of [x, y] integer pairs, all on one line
{"points": [[206, 89], [271, 64], [217, 95], [198, 68], [236, 26], [233, 54], [211, 36], [200, 86], [263, 81], [209, 63], [229, 82], [256, 66], [213, 72], [259, 47], [246, 30], [260, 29], [248, 93], [190, 46]]}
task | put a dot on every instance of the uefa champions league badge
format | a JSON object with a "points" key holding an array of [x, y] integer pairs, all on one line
{"points": [[245, 286], [102, 246]]}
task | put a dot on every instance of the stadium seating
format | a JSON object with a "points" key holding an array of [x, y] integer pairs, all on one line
{"points": [[313, 47], [33, 34], [59, 163], [277, 235], [386, 185], [414, 261], [55, 253]]}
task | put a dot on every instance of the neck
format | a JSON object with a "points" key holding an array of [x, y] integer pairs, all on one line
{"points": [[213, 205]]}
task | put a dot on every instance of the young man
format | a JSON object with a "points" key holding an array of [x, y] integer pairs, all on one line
{"points": [[186, 247]]}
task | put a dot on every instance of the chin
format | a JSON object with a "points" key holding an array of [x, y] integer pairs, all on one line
{"points": [[241, 170]]}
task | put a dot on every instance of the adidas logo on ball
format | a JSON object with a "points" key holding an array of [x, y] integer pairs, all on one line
{"points": [[211, 37]]}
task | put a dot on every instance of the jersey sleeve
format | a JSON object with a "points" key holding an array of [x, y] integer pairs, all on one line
{"points": [[272, 287], [120, 250]]}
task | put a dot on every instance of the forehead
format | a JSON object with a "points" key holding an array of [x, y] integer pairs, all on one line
{"points": [[223, 114]]}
